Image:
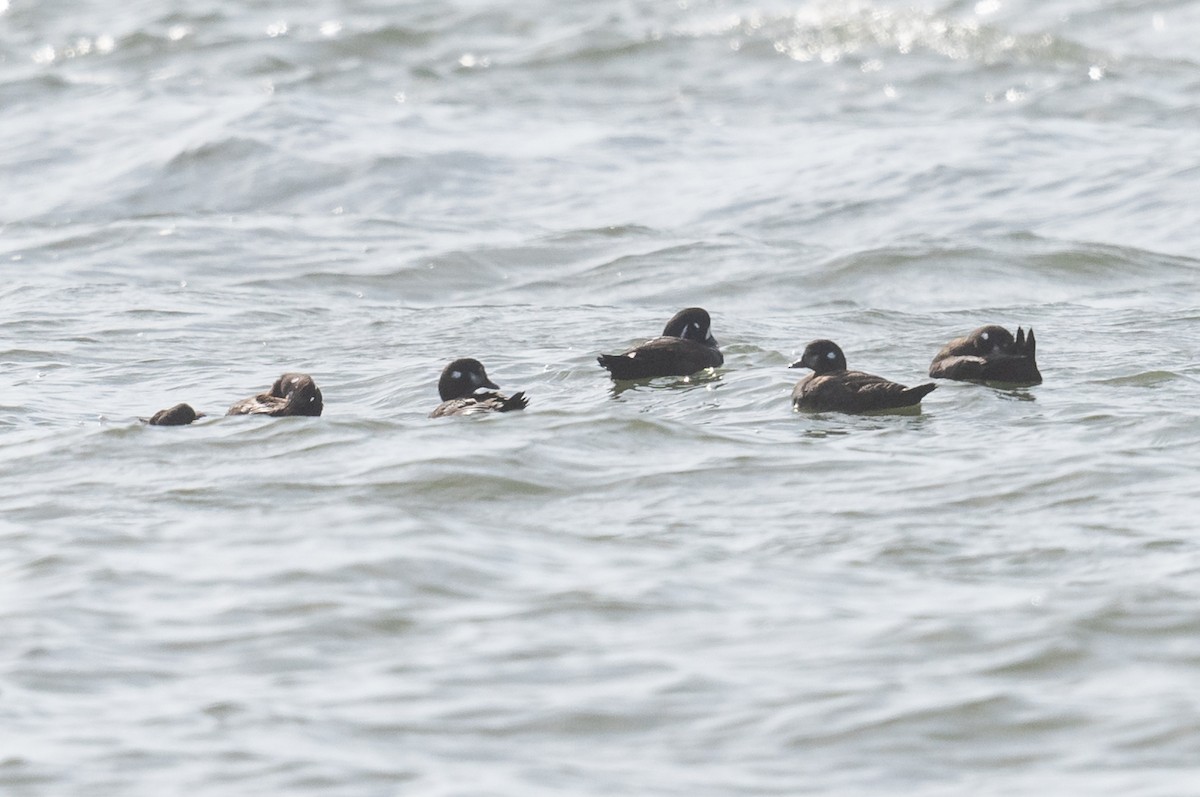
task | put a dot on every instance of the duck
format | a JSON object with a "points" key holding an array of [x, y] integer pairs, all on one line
{"points": [[685, 347], [179, 415], [292, 394], [461, 388], [830, 387], [989, 354]]}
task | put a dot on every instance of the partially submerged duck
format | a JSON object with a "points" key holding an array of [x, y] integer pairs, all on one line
{"points": [[685, 347], [292, 394], [465, 389], [179, 415], [989, 354], [830, 387]]}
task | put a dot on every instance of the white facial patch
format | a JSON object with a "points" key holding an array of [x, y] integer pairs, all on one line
{"points": [[984, 336], [830, 356], [456, 374]]}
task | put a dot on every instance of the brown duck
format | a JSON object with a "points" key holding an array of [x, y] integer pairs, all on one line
{"points": [[292, 394], [989, 354], [830, 387]]}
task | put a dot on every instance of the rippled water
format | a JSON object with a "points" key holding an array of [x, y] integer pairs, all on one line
{"points": [[679, 588]]}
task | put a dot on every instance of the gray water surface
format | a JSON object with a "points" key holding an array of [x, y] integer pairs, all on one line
{"points": [[679, 588]]}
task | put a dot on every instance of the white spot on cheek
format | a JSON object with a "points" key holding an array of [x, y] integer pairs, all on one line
{"points": [[830, 356], [456, 374], [984, 336]]}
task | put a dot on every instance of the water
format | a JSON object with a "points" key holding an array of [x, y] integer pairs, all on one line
{"points": [[681, 588]]}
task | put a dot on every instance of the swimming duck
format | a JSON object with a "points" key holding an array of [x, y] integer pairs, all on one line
{"points": [[830, 387], [461, 389], [179, 415], [292, 394], [685, 347], [989, 354]]}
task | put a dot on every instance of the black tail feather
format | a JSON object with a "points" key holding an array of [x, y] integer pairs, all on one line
{"points": [[517, 401], [919, 392], [622, 367]]}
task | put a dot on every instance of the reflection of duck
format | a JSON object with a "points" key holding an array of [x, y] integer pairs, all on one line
{"points": [[179, 415], [292, 394], [989, 354], [831, 387], [461, 389], [685, 347]]}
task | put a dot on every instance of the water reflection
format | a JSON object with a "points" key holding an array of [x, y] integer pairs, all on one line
{"points": [[708, 378]]}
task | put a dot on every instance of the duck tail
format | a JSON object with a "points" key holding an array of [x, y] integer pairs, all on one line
{"points": [[517, 401], [620, 366], [915, 394]]}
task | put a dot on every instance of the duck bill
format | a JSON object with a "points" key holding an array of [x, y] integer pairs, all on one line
{"points": [[798, 364]]}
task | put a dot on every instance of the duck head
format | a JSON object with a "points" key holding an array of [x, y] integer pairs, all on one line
{"points": [[822, 356], [462, 378], [302, 394], [693, 324]]}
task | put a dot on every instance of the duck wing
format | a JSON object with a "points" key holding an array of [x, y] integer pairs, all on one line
{"points": [[262, 404], [485, 402], [855, 391], [998, 367], [963, 367]]}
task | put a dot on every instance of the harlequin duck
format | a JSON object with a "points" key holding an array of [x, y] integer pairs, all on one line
{"points": [[179, 415], [292, 394], [830, 387], [461, 389], [685, 347], [989, 354]]}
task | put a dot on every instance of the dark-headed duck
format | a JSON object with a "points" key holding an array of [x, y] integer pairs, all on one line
{"points": [[685, 347], [830, 387], [179, 415], [292, 394], [989, 354], [466, 390]]}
